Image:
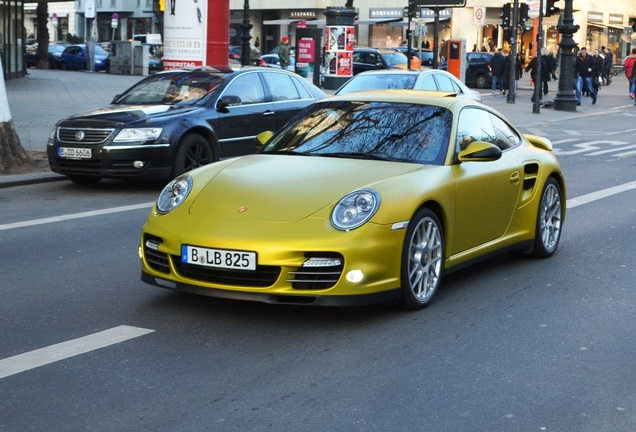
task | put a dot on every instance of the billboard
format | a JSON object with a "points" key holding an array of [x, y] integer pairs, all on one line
{"points": [[185, 30]]}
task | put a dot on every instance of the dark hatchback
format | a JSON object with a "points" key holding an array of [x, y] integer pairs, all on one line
{"points": [[365, 59], [177, 120]]}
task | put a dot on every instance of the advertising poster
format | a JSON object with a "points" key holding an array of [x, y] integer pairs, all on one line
{"points": [[306, 58], [185, 29], [339, 51]]}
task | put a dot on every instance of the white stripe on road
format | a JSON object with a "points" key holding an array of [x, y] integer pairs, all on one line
{"points": [[64, 350], [74, 216], [584, 199]]}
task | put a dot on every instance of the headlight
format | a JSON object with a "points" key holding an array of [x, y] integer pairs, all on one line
{"points": [[138, 134], [174, 194], [355, 209]]}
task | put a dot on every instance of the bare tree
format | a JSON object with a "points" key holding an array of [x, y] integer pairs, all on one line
{"points": [[42, 12], [12, 154]]}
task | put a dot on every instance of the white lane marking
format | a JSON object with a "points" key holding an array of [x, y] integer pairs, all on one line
{"points": [[604, 193], [74, 216], [64, 350]]}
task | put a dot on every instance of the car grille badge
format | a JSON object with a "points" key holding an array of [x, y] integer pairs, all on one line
{"points": [[79, 136]]}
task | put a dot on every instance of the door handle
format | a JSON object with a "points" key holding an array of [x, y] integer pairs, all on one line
{"points": [[514, 177]]}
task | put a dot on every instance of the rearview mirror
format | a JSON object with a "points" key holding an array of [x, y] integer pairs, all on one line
{"points": [[227, 101], [262, 138]]}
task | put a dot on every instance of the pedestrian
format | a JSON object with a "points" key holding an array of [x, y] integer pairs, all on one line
{"points": [[598, 76], [545, 74], [608, 65], [283, 52], [629, 63], [255, 54], [585, 67], [498, 66]]}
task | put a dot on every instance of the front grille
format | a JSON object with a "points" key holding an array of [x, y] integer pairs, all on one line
{"points": [[83, 135], [156, 260], [264, 276]]}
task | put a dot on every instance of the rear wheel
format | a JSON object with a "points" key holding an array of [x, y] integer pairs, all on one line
{"points": [[481, 81], [193, 152], [549, 220], [422, 260]]}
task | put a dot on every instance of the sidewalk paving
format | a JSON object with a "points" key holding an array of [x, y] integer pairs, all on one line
{"points": [[44, 97]]}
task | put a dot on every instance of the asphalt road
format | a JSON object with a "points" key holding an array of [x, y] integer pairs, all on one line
{"points": [[512, 344]]}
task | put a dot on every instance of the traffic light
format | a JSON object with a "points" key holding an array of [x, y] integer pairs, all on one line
{"points": [[412, 7], [505, 16], [523, 11], [551, 9]]}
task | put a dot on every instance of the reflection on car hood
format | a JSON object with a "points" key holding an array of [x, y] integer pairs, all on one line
{"points": [[122, 114], [277, 188]]}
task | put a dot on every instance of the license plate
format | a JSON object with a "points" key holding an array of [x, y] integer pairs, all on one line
{"points": [[74, 153], [219, 258]]}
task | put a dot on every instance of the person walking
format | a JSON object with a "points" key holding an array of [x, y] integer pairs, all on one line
{"points": [[608, 64], [498, 65], [585, 67], [629, 63], [545, 73], [283, 52]]}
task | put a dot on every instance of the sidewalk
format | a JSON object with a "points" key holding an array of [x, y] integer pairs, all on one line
{"points": [[44, 97]]}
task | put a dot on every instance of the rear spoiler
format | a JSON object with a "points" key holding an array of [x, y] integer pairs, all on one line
{"points": [[539, 141]]}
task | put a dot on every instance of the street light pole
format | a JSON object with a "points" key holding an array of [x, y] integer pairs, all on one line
{"points": [[538, 82], [565, 99], [246, 26], [512, 57]]}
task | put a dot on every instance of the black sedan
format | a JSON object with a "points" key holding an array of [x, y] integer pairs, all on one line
{"points": [[177, 120]]}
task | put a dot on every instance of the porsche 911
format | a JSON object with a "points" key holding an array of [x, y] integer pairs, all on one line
{"points": [[367, 197]]}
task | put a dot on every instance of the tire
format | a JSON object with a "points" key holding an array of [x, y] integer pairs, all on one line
{"points": [[422, 260], [549, 220], [84, 180], [481, 81], [193, 152]]}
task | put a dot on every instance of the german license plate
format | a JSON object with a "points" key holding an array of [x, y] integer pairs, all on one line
{"points": [[74, 153], [219, 258]]}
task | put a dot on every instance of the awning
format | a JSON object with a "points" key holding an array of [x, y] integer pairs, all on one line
{"points": [[373, 21], [281, 21]]}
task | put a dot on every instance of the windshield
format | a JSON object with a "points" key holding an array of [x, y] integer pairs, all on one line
{"points": [[399, 132], [183, 88], [379, 82], [393, 59]]}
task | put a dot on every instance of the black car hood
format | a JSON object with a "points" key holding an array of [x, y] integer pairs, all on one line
{"points": [[118, 115]]}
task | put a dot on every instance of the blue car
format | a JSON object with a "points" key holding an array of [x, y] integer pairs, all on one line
{"points": [[74, 57]]}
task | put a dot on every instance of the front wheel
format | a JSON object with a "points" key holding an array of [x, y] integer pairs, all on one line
{"points": [[422, 260], [481, 81], [549, 220], [193, 152]]}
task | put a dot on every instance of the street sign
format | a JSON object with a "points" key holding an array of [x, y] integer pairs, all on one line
{"points": [[479, 15], [440, 3]]}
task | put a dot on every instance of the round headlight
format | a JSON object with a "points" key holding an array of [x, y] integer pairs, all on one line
{"points": [[355, 209], [174, 194]]}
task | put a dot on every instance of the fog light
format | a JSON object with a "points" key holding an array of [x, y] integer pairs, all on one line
{"points": [[355, 276], [322, 262], [141, 255], [139, 164]]}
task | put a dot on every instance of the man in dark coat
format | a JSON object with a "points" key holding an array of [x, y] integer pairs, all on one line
{"points": [[498, 66]]}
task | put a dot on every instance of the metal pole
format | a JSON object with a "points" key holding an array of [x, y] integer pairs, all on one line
{"points": [[512, 58], [436, 39], [538, 87], [565, 99], [246, 26]]}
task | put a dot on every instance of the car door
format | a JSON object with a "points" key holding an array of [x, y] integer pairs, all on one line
{"points": [[487, 192], [237, 125], [287, 94]]}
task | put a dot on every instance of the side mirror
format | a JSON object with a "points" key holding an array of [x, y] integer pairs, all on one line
{"points": [[227, 101], [480, 151], [262, 138]]}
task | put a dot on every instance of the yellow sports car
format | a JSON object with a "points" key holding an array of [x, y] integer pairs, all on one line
{"points": [[365, 197]]}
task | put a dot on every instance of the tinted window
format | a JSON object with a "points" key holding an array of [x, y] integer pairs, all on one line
{"points": [[248, 87], [281, 87], [374, 130], [505, 136]]}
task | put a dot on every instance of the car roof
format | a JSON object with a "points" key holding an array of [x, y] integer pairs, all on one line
{"points": [[421, 97]]}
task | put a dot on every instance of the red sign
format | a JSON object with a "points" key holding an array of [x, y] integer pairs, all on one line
{"points": [[305, 50]]}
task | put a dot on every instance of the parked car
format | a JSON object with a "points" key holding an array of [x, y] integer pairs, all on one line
{"points": [[478, 69], [75, 57], [54, 55], [235, 52], [427, 79], [173, 121], [365, 197], [425, 55], [272, 60], [365, 59]]}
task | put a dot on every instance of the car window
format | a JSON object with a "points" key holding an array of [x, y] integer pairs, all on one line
{"points": [[445, 83], [505, 136], [372, 59], [427, 83], [281, 87], [474, 124], [248, 87], [358, 57]]}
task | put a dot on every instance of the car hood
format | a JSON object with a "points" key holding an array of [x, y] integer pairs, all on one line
{"points": [[115, 115], [277, 188]]}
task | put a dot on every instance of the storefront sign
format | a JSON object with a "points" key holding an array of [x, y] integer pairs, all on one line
{"points": [[595, 17], [185, 29], [616, 19]]}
